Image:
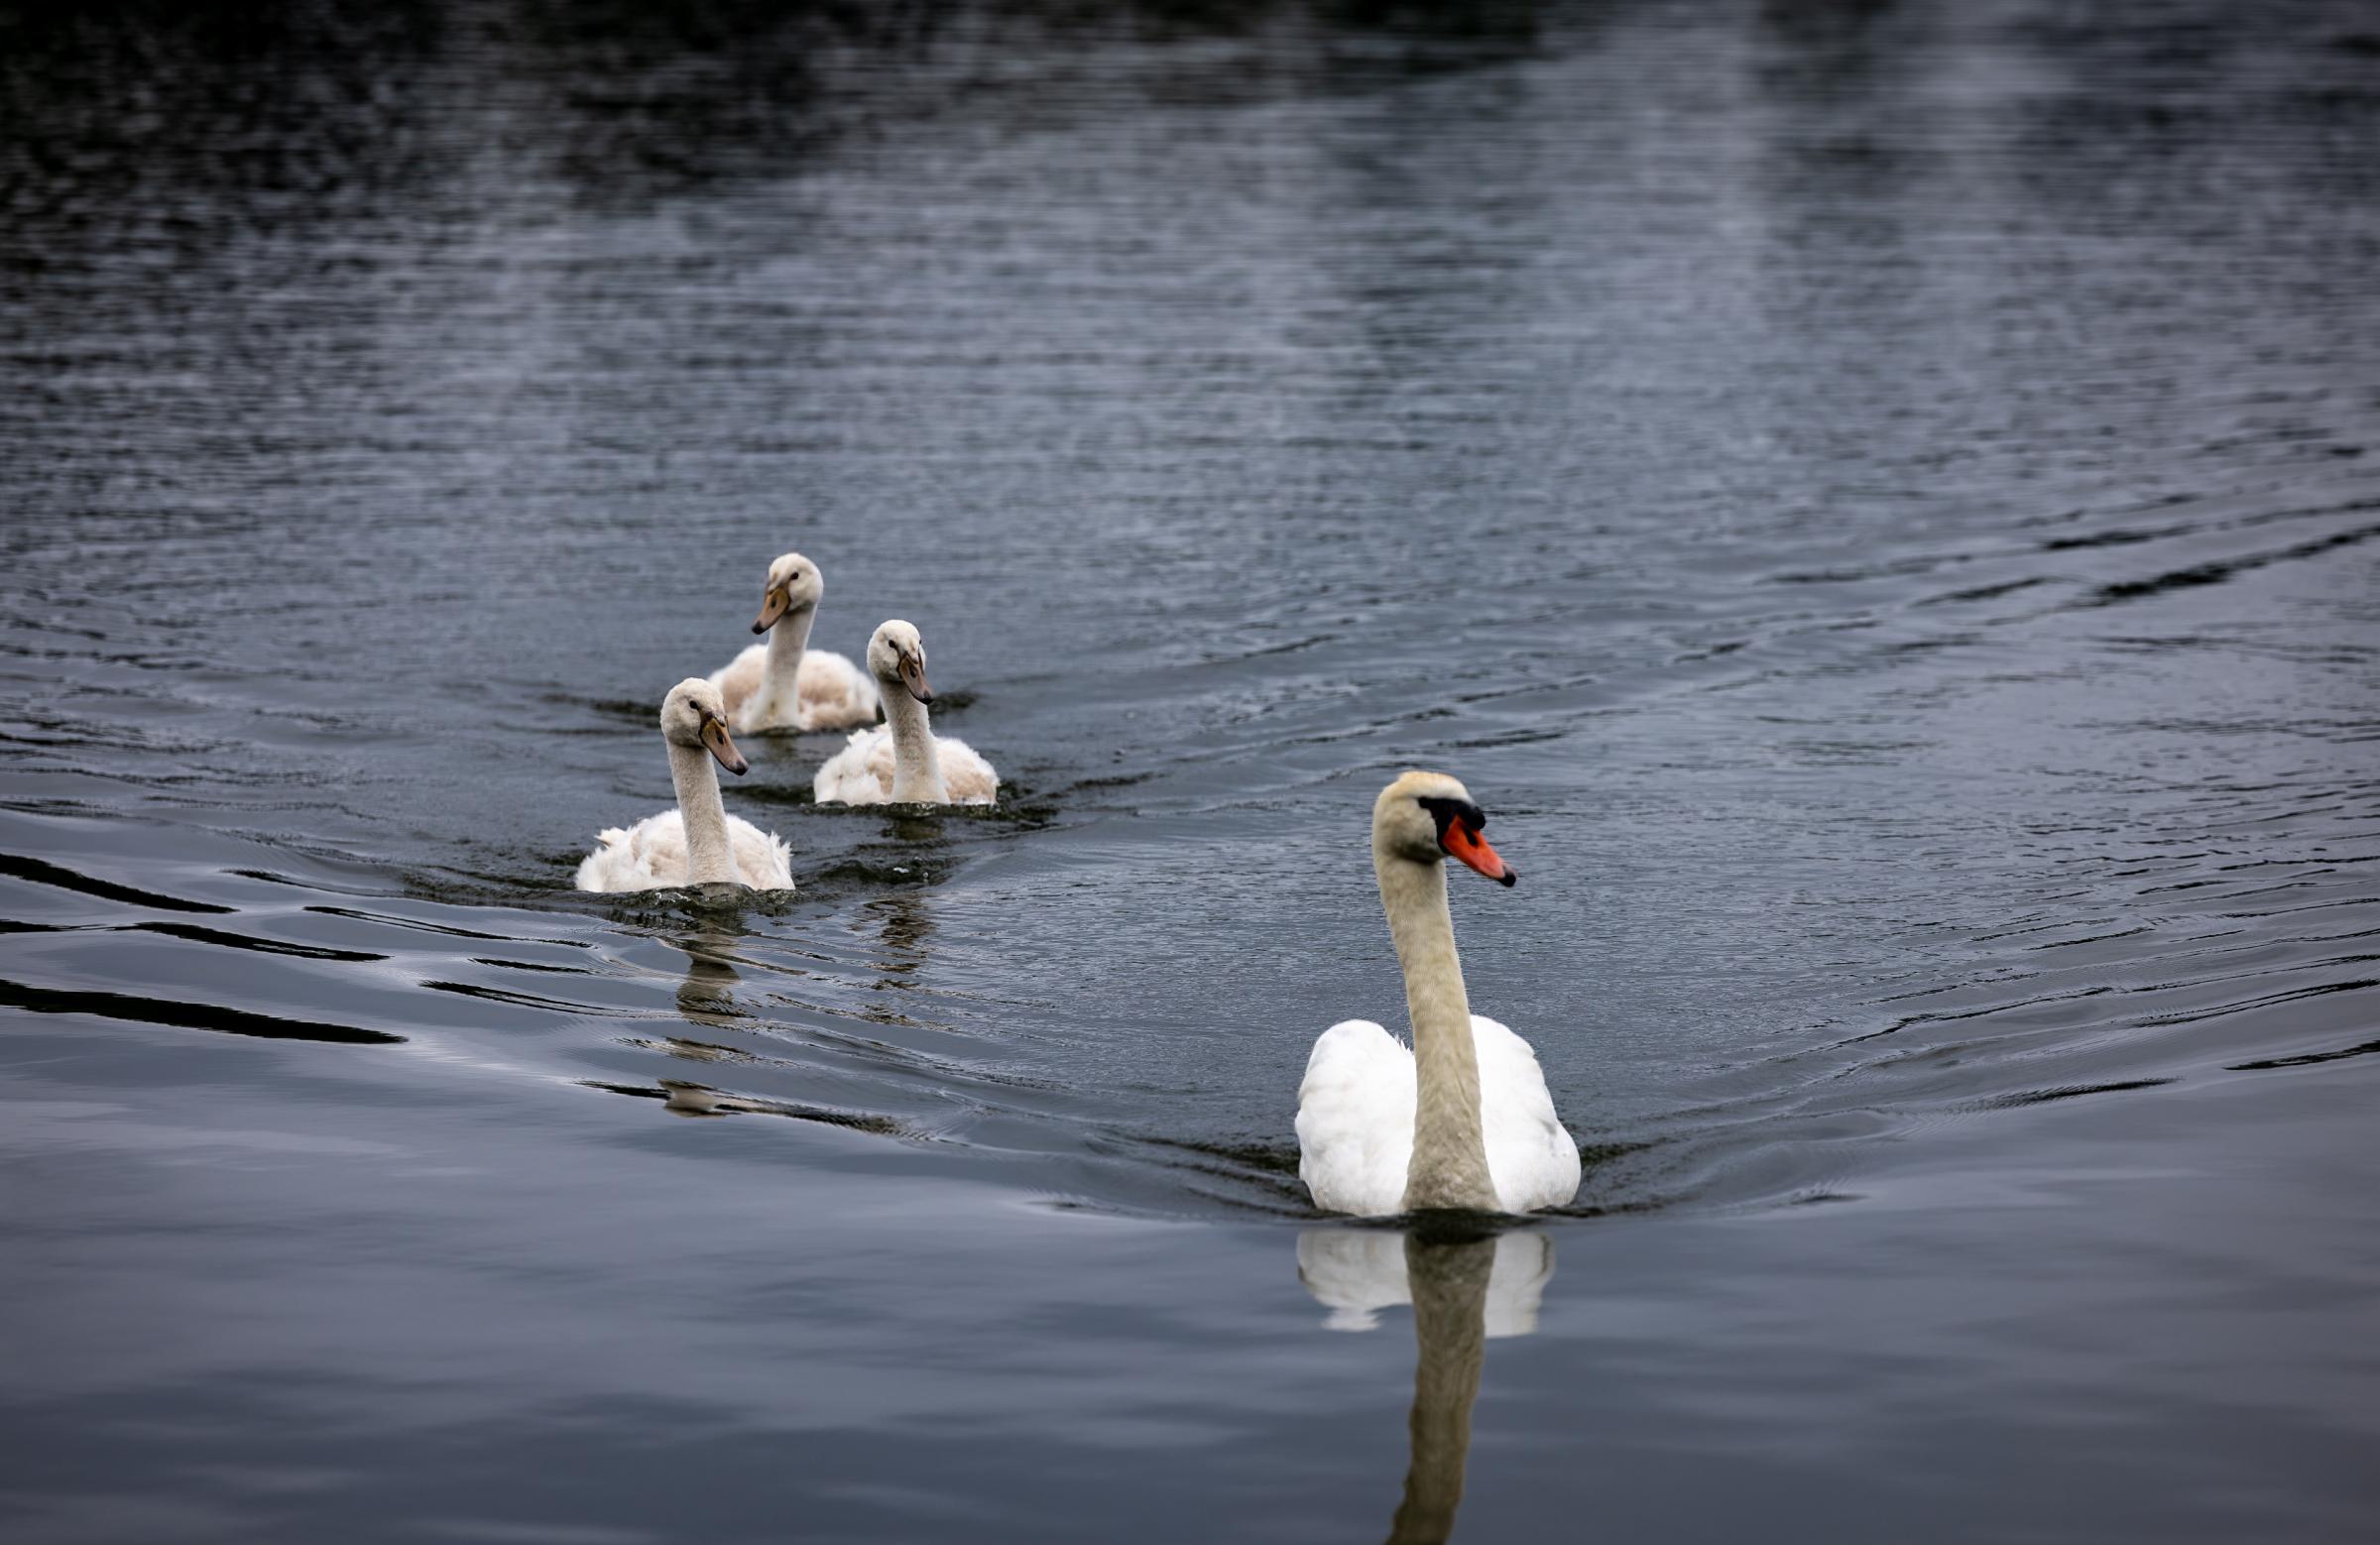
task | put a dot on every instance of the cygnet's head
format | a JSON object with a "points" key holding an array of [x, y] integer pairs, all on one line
{"points": [[794, 583], [1424, 817], [896, 657], [695, 714]]}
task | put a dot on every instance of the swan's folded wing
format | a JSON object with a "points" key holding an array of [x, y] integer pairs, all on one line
{"points": [[880, 761], [1355, 1119], [740, 678], [763, 860], [966, 776], [611, 867], [1531, 1155], [834, 693], [643, 856], [850, 774]]}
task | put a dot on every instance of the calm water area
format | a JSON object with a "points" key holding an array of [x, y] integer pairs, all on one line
{"points": [[1880, 503]]}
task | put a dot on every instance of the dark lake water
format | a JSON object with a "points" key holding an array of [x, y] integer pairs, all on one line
{"points": [[1880, 503]]}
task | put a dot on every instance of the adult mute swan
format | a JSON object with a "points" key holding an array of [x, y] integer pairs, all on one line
{"points": [[902, 760], [1464, 1118], [783, 684], [698, 843]]}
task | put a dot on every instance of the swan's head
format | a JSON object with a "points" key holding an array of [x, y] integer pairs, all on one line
{"points": [[896, 657], [794, 583], [1426, 817], [695, 714]]}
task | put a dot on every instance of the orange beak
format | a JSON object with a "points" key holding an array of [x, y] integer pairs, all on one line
{"points": [[1465, 843]]}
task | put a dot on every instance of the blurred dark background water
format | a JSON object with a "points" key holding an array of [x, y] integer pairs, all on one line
{"points": [[1878, 501]]}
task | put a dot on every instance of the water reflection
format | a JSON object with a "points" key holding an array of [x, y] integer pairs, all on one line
{"points": [[1464, 1292], [902, 929], [706, 1001], [706, 997], [921, 823], [1357, 1273]]}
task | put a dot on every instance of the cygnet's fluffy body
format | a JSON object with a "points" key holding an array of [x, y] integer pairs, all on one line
{"points": [[697, 842], [652, 855], [784, 684], [902, 760]]}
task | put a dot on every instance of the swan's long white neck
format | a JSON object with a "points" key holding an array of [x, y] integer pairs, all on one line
{"points": [[781, 671], [709, 857], [916, 764], [1448, 1167]]}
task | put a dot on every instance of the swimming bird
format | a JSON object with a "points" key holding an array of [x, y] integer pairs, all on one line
{"points": [[902, 760], [784, 684], [1462, 1120], [698, 843]]}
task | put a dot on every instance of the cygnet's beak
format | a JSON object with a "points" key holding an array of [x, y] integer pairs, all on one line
{"points": [[714, 736], [913, 677], [773, 605], [1464, 842]]}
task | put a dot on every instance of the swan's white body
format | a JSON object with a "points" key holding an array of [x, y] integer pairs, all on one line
{"points": [[829, 691], [867, 767], [784, 684], [652, 855], [902, 760], [1463, 1118], [698, 842], [1355, 1121]]}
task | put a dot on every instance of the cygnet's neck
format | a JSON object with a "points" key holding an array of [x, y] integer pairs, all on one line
{"points": [[710, 859], [916, 764], [779, 698], [1448, 1167]]}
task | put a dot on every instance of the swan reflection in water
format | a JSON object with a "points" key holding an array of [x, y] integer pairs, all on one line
{"points": [[1465, 1291], [706, 999], [903, 928], [707, 995]]}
